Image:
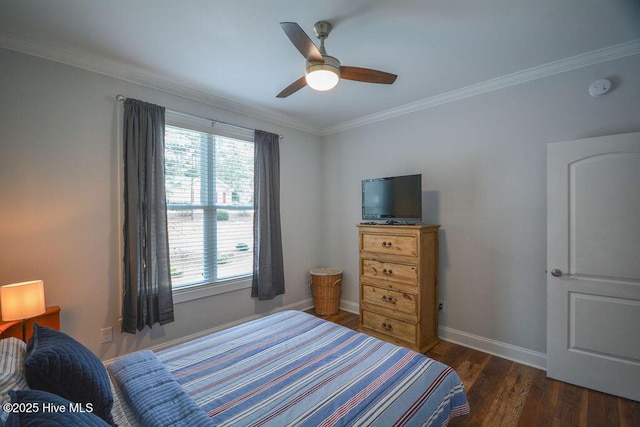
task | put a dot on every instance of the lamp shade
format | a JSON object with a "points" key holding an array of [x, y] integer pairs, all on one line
{"points": [[22, 300]]}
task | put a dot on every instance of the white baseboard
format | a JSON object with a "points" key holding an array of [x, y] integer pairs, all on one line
{"points": [[496, 348], [486, 345], [351, 307], [300, 305]]}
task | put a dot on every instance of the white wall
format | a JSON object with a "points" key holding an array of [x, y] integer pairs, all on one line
{"points": [[483, 161], [59, 187]]}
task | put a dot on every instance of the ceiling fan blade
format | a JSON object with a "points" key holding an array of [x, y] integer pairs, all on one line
{"points": [[301, 41], [367, 75], [293, 87]]}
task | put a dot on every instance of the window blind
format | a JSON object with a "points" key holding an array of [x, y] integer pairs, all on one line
{"points": [[209, 188]]}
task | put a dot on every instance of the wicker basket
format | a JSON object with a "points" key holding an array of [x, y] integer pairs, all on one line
{"points": [[326, 285]]}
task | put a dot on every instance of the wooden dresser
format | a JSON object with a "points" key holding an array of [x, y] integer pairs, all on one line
{"points": [[398, 284]]}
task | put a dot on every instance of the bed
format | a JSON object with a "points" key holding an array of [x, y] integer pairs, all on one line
{"points": [[288, 368]]}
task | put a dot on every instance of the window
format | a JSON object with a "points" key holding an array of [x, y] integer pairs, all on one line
{"points": [[209, 186]]}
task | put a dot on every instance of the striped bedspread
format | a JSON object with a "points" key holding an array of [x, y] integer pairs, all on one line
{"points": [[294, 369]]}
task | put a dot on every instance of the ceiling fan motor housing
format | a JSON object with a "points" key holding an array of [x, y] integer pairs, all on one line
{"points": [[330, 63]]}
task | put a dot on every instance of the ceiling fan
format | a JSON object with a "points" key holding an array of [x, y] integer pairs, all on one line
{"points": [[322, 71]]}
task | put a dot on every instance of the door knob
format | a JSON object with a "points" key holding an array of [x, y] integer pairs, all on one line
{"points": [[556, 272]]}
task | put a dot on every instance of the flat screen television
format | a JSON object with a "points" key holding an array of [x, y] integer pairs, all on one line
{"points": [[394, 199]]}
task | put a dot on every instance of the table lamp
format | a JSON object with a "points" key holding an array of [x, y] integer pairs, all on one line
{"points": [[23, 300]]}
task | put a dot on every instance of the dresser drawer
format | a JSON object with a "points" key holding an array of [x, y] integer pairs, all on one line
{"points": [[388, 299], [391, 271], [388, 326], [390, 244]]}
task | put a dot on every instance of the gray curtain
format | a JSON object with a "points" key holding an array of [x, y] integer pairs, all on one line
{"points": [[268, 270], [147, 296]]}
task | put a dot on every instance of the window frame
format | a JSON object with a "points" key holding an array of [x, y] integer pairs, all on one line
{"points": [[207, 289]]}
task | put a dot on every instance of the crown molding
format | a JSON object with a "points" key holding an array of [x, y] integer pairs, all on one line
{"points": [[134, 75], [111, 68], [567, 64]]}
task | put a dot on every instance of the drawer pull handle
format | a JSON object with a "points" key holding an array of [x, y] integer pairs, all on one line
{"points": [[388, 272], [386, 244], [389, 299], [387, 326]]}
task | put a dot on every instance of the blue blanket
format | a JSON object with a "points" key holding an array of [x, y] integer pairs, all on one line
{"points": [[156, 398], [292, 368]]}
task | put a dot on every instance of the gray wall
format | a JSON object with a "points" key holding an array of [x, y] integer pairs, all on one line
{"points": [[483, 161], [484, 179], [60, 192]]}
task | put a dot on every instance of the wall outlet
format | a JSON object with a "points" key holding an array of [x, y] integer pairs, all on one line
{"points": [[442, 306], [107, 334]]}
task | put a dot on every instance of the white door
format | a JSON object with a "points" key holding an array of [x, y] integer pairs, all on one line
{"points": [[593, 263]]}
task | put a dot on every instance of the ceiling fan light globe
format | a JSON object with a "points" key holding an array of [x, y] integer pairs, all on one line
{"points": [[323, 75], [322, 79]]}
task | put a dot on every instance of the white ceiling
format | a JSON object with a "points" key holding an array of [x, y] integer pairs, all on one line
{"points": [[233, 53]]}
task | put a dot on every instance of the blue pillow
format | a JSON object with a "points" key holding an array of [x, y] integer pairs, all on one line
{"points": [[39, 408], [61, 365]]}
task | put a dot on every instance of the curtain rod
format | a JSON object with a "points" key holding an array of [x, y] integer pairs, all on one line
{"points": [[121, 98]]}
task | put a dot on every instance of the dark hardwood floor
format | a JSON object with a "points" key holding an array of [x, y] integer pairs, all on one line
{"points": [[505, 393]]}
